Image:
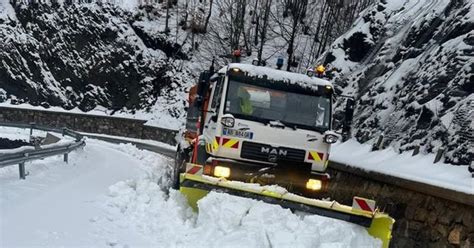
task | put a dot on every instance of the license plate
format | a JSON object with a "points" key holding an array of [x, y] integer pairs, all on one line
{"points": [[237, 133]]}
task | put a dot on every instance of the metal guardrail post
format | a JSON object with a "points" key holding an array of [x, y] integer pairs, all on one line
{"points": [[32, 126], [21, 168]]}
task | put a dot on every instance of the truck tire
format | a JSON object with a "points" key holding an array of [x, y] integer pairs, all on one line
{"points": [[181, 158]]}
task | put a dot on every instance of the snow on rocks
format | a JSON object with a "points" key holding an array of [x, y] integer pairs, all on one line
{"points": [[6, 11], [408, 64], [117, 67]]}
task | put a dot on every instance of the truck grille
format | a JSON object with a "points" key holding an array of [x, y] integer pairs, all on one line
{"points": [[267, 153]]}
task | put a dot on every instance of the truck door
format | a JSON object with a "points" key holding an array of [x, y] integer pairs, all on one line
{"points": [[210, 125]]}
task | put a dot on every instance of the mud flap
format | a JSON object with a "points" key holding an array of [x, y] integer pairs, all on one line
{"points": [[379, 225]]}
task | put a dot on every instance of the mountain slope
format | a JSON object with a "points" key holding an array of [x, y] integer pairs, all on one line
{"points": [[410, 66], [85, 56]]}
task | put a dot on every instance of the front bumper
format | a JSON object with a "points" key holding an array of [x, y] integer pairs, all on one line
{"points": [[293, 177]]}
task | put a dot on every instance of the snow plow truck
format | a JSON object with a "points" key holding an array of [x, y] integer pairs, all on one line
{"points": [[265, 134]]}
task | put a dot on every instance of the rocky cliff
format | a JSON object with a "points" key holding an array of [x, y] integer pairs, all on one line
{"points": [[87, 55], [409, 64]]}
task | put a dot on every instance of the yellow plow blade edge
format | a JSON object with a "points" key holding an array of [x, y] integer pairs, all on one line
{"points": [[379, 225]]}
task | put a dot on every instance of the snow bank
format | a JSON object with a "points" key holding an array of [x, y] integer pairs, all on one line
{"points": [[235, 222], [418, 168], [226, 221], [223, 220], [143, 141]]}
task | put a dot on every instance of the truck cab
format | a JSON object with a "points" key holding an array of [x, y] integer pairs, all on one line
{"points": [[266, 126]]}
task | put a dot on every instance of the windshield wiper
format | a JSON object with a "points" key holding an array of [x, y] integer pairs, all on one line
{"points": [[281, 124], [276, 123], [288, 124]]}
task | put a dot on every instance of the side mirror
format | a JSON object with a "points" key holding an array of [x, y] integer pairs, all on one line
{"points": [[214, 118], [203, 83]]}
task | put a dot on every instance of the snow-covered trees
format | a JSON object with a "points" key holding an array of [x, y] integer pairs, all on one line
{"points": [[297, 30]]}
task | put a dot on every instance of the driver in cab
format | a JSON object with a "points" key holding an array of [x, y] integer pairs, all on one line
{"points": [[245, 103]]}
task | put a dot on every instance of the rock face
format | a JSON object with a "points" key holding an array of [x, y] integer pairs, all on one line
{"points": [[84, 56], [410, 67]]}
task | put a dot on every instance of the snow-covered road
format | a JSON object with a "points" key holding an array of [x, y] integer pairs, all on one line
{"points": [[112, 195], [54, 206]]}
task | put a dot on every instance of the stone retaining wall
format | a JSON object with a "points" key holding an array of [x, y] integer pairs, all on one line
{"points": [[422, 220], [132, 128]]}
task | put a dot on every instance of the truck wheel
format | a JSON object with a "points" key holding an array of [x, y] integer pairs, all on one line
{"points": [[179, 166]]}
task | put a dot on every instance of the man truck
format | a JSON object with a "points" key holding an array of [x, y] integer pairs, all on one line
{"points": [[266, 134]]}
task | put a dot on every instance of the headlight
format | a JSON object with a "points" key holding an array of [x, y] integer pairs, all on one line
{"points": [[221, 171], [228, 121], [330, 138], [314, 184]]}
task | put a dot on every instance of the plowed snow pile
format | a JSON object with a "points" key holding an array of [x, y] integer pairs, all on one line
{"points": [[113, 195]]}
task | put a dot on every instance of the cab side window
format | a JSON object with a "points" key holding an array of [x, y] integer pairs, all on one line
{"points": [[216, 98]]}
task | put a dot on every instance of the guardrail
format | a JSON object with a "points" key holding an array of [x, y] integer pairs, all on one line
{"points": [[23, 156]]}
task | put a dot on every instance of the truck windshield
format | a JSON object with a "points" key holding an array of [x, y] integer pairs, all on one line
{"points": [[251, 102]]}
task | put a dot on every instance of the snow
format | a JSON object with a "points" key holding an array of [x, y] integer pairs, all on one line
{"points": [[291, 77], [24, 134], [237, 222], [96, 112], [114, 195], [6, 11], [227, 221], [143, 141], [17, 133], [156, 117], [418, 168]]}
